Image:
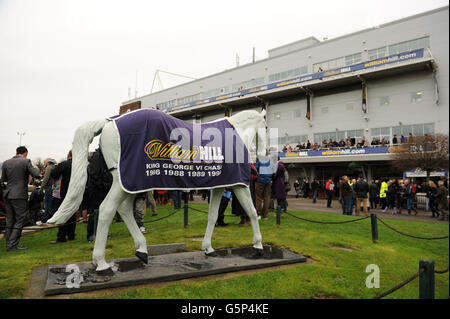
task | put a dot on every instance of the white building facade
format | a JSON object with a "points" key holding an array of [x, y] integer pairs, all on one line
{"points": [[386, 80]]}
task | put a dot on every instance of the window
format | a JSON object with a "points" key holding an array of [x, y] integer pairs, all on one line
{"points": [[353, 59], [247, 84], [215, 92], [277, 116], [380, 133], [288, 74], [377, 53], [409, 45], [384, 100], [417, 129], [297, 113], [329, 64], [416, 96]]}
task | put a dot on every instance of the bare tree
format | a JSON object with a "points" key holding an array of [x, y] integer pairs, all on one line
{"points": [[38, 162], [427, 152]]}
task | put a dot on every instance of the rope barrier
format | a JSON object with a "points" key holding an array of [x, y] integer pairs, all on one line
{"points": [[320, 222], [441, 271], [155, 220], [417, 237], [400, 285]]}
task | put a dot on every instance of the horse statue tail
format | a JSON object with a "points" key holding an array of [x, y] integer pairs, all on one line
{"points": [[80, 152]]}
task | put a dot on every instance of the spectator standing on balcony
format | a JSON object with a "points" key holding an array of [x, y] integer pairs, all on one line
{"points": [[410, 138], [403, 139], [384, 142], [308, 145], [329, 187], [348, 143], [341, 143], [395, 140], [361, 189], [374, 142], [315, 190]]}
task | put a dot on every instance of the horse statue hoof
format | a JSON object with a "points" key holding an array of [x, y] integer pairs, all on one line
{"points": [[211, 254], [106, 272], [142, 257]]}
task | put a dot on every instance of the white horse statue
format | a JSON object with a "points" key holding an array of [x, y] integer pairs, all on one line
{"points": [[245, 124]]}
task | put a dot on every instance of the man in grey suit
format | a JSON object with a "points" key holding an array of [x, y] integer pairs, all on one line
{"points": [[16, 172]]}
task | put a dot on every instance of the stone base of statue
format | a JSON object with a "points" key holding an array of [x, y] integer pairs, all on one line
{"points": [[166, 264]]}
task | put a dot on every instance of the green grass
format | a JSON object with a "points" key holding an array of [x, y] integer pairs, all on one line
{"points": [[334, 274]]}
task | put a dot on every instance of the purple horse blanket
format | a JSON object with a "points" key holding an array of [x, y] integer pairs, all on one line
{"points": [[159, 151]]}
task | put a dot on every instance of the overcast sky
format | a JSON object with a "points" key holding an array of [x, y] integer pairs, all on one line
{"points": [[63, 63]]}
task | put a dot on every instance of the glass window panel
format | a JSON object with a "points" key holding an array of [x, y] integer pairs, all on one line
{"points": [[373, 54], [406, 129], [385, 131], [341, 135], [297, 113], [396, 130], [393, 49], [428, 128], [382, 52], [403, 47], [418, 129], [360, 133], [351, 133], [424, 42], [375, 131]]}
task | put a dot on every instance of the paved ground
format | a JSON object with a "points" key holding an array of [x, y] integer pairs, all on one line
{"points": [[321, 206]]}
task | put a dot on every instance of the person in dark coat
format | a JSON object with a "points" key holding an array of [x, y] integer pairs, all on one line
{"points": [[34, 204], [15, 173], [305, 188], [361, 188], [61, 174], [315, 189], [99, 184], [278, 185], [373, 194], [347, 195]]}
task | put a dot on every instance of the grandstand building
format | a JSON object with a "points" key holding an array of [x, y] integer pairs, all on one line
{"points": [[388, 80]]}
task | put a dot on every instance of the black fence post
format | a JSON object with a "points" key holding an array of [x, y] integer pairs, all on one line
{"points": [[426, 279], [373, 219], [186, 207], [278, 215]]}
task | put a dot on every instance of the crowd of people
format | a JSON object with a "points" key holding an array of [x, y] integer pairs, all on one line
{"points": [[387, 194], [348, 143], [269, 185]]}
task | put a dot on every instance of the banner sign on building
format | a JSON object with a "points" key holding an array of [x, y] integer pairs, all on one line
{"points": [[405, 56], [159, 151], [340, 152]]}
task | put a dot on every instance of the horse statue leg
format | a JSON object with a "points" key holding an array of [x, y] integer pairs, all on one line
{"points": [[214, 202], [245, 199], [107, 211], [126, 212]]}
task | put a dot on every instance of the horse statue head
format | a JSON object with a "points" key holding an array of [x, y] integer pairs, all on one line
{"points": [[251, 127]]}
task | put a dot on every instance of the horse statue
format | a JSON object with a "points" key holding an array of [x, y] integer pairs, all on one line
{"points": [[120, 198]]}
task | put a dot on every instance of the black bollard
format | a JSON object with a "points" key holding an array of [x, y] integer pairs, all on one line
{"points": [[426, 279], [278, 215], [186, 207], [373, 219]]}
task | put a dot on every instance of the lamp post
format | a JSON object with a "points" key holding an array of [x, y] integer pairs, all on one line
{"points": [[20, 139]]}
